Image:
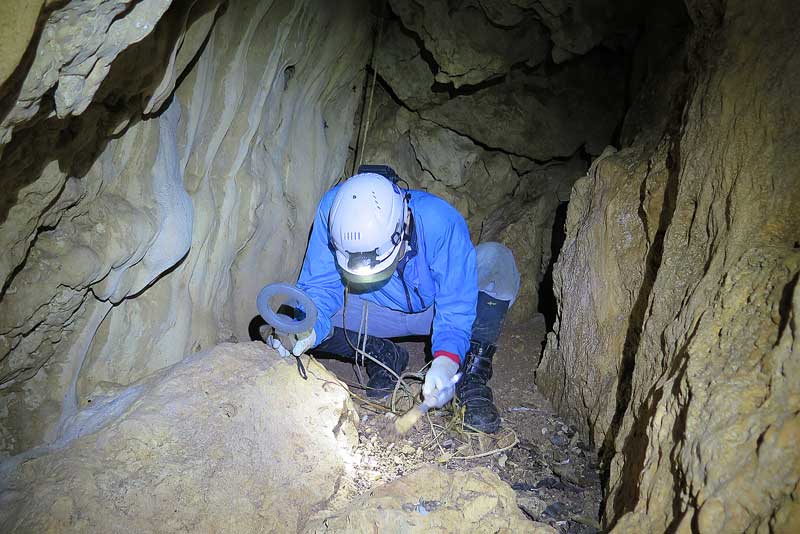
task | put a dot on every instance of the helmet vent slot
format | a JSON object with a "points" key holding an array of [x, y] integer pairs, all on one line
{"points": [[352, 236]]}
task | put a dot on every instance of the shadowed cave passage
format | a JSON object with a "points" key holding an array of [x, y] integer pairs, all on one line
{"points": [[162, 161]]}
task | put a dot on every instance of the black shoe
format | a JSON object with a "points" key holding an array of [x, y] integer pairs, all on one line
{"points": [[381, 382], [481, 413]]}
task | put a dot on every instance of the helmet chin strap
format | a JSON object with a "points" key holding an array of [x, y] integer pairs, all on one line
{"points": [[407, 224]]}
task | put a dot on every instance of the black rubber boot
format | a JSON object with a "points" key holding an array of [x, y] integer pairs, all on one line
{"points": [[381, 382], [474, 393]]}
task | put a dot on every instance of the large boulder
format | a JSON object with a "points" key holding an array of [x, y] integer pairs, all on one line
{"points": [[598, 273], [231, 439]]}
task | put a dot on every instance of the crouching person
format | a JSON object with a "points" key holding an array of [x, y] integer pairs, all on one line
{"points": [[407, 256]]}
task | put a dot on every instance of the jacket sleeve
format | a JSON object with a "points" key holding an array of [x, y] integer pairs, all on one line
{"points": [[319, 277], [455, 276]]}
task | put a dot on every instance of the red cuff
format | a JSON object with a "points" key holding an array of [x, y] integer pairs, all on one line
{"points": [[445, 354]]}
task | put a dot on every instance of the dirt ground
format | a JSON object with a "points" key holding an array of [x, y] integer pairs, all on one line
{"points": [[553, 473]]}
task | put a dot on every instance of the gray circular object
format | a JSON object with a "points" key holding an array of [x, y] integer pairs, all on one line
{"points": [[272, 297]]}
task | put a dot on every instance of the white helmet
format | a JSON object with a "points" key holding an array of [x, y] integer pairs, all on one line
{"points": [[367, 226]]}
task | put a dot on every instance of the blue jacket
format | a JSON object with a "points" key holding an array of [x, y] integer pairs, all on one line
{"points": [[440, 271]]}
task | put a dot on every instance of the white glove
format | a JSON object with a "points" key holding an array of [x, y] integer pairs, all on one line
{"points": [[300, 346], [439, 381]]}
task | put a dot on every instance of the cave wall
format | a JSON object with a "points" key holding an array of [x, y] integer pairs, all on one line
{"points": [[676, 346], [497, 107], [162, 161]]}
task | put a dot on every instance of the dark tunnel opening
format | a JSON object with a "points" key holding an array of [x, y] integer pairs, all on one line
{"points": [[548, 303]]}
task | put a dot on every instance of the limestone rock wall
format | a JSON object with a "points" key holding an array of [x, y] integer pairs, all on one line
{"points": [[497, 106], [161, 162], [678, 288]]}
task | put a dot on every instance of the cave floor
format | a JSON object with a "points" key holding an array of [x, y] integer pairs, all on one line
{"points": [[552, 471]]}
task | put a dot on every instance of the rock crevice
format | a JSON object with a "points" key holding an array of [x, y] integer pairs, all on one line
{"points": [[671, 293]]}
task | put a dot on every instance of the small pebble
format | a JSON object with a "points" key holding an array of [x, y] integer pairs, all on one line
{"points": [[556, 510], [559, 440], [532, 504], [407, 449]]}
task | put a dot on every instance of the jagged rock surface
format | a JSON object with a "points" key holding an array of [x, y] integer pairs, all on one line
{"points": [[484, 51], [433, 499], [228, 440], [73, 64], [678, 290], [474, 112], [400, 60], [496, 192], [577, 26], [599, 269], [140, 220], [474, 180], [543, 116], [475, 41]]}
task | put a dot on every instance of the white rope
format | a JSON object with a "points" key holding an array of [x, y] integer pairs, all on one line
{"points": [[360, 350], [372, 89], [363, 332]]}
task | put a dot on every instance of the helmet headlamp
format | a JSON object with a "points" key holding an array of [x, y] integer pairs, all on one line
{"points": [[367, 225]]}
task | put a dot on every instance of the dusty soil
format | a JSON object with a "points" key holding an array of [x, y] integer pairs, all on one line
{"points": [[553, 473]]}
